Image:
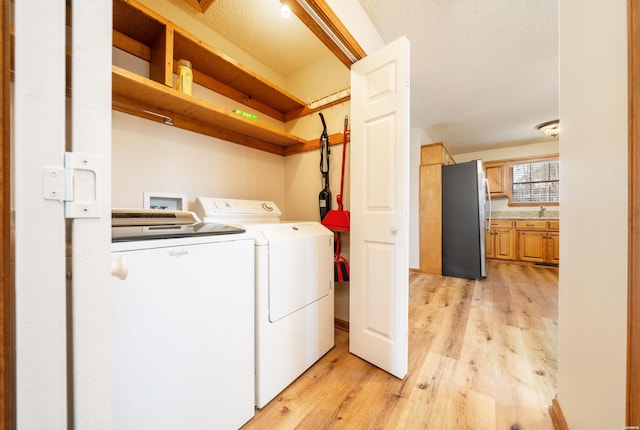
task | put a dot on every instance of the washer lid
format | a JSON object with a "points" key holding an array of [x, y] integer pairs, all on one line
{"points": [[126, 234]]}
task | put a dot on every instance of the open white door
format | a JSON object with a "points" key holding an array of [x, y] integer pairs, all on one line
{"points": [[63, 340], [379, 278]]}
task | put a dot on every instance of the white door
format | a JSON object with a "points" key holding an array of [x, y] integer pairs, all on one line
{"points": [[62, 330], [379, 278]]}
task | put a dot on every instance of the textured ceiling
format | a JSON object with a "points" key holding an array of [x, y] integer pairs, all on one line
{"points": [[484, 73], [255, 26]]}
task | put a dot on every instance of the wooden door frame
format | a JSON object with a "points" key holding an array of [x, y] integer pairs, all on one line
{"points": [[633, 320], [7, 353]]}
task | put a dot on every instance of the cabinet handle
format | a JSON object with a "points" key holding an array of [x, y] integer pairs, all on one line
{"points": [[531, 225]]}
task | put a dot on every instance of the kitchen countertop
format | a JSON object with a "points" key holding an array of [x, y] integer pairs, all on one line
{"points": [[550, 215]]}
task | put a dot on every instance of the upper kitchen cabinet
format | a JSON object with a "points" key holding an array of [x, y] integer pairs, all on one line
{"points": [[496, 174], [435, 153], [157, 41]]}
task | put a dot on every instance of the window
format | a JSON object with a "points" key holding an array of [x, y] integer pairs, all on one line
{"points": [[535, 182]]}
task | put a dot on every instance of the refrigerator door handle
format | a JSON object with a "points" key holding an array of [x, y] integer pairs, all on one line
{"points": [[486, 183]]}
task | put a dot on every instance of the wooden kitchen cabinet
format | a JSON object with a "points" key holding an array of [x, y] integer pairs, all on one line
{"points": [[553, 247], [500, 240], [539, 241], [432, 158], [496, 174], [533, 224], [532, 246], [142, 33], [530, 240], [435, 153]]}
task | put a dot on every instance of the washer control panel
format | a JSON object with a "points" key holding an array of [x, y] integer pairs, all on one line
{"points": [[220, 210]]}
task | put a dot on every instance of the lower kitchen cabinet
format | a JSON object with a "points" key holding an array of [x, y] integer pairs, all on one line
{"points": [[500, 241], [541, 245], [534, 241], [553, 247], [532, 246]]}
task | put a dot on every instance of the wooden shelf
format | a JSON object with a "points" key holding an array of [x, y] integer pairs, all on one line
{"points": [[224, 75], [146, 98], [143, 33]]}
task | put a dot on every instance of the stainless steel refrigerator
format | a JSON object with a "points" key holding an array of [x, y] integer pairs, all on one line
{"points": [[464, 197]]}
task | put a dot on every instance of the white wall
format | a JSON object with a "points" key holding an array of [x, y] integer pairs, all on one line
{"points": [[593, 279], [150, 156]]}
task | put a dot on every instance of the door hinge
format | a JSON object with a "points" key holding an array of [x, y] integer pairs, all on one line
{"points": [[75, 184]]}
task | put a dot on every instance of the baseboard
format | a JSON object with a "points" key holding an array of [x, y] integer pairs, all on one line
{"points": [[341, 324], [559, 423]]}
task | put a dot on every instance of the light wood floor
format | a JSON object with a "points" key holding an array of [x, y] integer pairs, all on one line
{"points": [[482, 355]]}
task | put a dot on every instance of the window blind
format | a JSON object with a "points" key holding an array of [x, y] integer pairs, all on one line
{"points": [[536, 182]]}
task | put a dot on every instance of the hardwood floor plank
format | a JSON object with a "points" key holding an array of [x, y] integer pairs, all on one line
{"points": [[469, 409], [482, 356], [453, 318], [428, 397]]}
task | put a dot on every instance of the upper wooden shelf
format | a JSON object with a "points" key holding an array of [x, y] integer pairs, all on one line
{"points": [[144, 97], [143, 33]]}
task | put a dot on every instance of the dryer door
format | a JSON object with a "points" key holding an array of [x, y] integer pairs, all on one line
{"points": [[300, 266]]}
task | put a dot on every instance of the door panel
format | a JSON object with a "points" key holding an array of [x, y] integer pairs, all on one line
{"points": [[532, 246], [380, 207], [504, 246]]}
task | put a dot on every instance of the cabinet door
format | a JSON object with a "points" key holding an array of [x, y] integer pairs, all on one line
{"points": [[489, 242], [553, 248], [496, 174], [532, 246], [504, 244]]}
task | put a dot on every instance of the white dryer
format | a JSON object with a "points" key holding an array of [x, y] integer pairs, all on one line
{"points": [[294, 289]]}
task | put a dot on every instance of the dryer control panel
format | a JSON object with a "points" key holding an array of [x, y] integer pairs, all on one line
{"points": [[236, 211]]}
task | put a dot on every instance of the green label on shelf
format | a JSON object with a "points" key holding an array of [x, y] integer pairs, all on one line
{"points": [[246, 114]]}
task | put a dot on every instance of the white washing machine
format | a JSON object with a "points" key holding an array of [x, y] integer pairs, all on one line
{"points": [[183, 329], [294, 313]]}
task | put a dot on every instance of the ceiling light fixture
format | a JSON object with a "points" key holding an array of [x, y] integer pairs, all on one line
{"points": [[285, 12], [550, 128], [327, 30]]}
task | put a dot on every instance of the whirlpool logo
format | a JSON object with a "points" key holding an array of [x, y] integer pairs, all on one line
{"points": [[177, 253]]}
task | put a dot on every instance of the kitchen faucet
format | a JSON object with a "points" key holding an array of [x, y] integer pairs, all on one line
{"points": [[542, 209]]}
